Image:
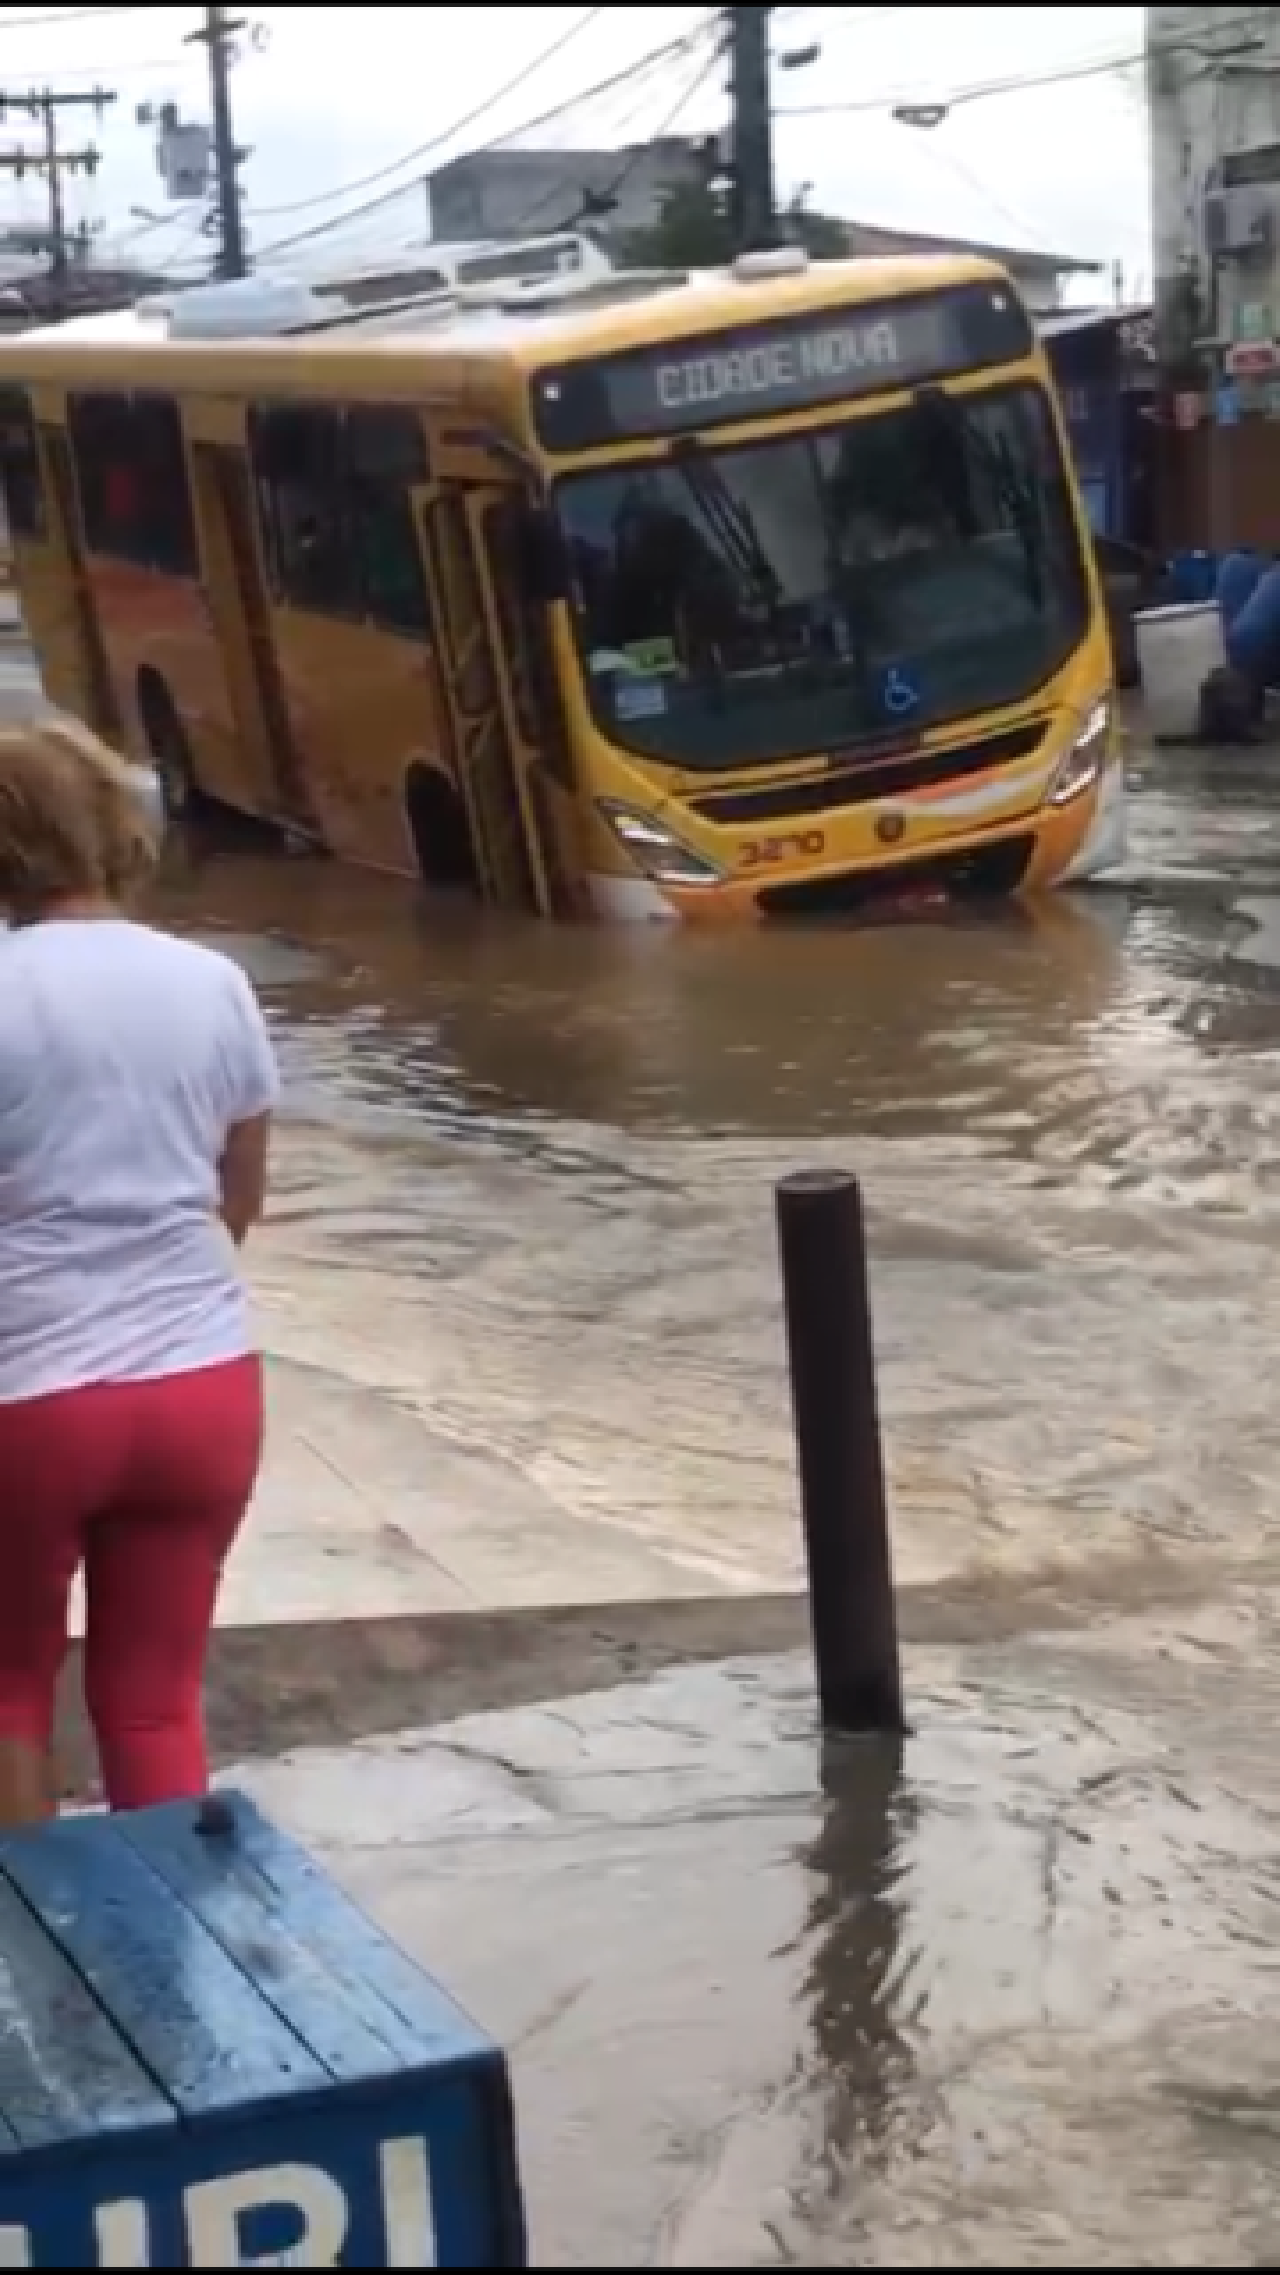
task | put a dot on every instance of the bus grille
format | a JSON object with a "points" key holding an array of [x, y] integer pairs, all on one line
{"points": [[855, 778], [983, 872]]}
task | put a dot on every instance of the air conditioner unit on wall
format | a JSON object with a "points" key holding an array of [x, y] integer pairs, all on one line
{"points": [[1239, 222]]}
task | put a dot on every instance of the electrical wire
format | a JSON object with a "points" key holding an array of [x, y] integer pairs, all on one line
{"points": [[437, 142], [665, 53], [118, 241], [1026, 83], [635, 157], [557, 111], [664, 126], [46, 20], [972, 180]]}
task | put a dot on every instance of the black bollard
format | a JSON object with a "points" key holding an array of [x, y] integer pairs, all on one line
{"points": [[837, 1425]]}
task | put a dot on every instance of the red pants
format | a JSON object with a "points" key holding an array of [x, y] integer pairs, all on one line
{"points": [[144, 1484]]}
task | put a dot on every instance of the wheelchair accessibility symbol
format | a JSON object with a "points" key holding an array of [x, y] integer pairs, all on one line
{"points": [[898, 695]]}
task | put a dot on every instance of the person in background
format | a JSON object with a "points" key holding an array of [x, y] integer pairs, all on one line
{"points": [[137, 1083]]}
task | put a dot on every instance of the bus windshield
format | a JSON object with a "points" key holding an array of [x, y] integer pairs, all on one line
{"points": [[757, 601]]}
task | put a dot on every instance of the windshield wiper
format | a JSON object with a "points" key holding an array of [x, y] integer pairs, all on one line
{"points": [[950, 423], [731, 523]]}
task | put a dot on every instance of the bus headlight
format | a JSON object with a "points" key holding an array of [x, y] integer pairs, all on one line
{"points": [[656, 849], [1084, 762]]}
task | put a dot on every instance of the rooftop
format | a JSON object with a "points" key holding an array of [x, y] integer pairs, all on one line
{"points": [[1023, 260], [1061, 323], [624, 309]]}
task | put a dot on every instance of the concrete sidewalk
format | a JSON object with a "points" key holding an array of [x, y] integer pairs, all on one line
{"points": [[366, 1510], [369, 1511], [1008, 2001]]}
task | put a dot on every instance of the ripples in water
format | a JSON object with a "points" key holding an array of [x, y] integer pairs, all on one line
{"points": [[526, 1173]]}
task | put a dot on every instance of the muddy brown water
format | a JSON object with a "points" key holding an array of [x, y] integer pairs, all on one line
{"points": [[525, 1174], [1008, 2000]]}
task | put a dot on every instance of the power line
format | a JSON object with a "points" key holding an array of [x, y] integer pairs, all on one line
{"points": [[437, 142], [974, 181], [64, 16], [665, 53], [147, 226], [1025, 83], [596, 203], [52, 160]]}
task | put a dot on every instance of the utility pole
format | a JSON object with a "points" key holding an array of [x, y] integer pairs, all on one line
{"points": [[754, 222], [52, 161], [218, 35]]}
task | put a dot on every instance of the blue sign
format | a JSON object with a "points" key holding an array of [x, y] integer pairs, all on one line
{"points": [[899, 697], [210, 2058], [334, 2193]]}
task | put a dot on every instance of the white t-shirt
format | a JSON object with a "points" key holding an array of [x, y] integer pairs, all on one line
{"points": [[125, 1057]]}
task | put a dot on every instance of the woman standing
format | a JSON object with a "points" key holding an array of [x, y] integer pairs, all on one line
{"points": [[136, 1088]]}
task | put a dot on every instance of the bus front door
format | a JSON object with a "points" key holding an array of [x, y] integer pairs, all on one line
{"points": [[496, 742]]}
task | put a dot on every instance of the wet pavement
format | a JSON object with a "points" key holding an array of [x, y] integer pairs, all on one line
{"points": [[1005, 1998]]}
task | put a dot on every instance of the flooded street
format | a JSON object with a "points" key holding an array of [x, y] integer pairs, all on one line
{"points": [[1005, 1995], [525, 1179]]}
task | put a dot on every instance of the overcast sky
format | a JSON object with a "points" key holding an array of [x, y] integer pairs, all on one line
{"points": [[326, 96]]}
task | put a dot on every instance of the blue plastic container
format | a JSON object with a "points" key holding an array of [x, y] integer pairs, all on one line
{"points": [[1253, 638], [1238, 578], [1193, 576]]}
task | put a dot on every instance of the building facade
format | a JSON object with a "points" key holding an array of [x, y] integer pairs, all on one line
{"points": [[530, 193], [523, 193], [1213, 104]]}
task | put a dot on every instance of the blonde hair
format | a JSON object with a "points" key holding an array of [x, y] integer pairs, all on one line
{"points": [[73, 821]]}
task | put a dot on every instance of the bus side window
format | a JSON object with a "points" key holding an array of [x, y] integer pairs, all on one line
{"points": [[297, 463], [386, 457], [131, 472], [20, 466]]}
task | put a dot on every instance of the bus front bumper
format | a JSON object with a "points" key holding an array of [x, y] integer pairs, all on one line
{"points": [[1031, 850]]}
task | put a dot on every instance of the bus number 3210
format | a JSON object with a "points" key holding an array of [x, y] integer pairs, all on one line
{"points": [[795, 845]]}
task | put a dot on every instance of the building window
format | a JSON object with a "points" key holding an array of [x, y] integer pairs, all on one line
{"points": [[131, 473], [20, 466], [338, 521]]}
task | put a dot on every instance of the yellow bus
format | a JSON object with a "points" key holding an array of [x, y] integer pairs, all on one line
{"points": [[755, 592]]}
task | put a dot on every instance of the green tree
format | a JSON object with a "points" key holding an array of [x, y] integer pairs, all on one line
{"points": [[694, 231]]}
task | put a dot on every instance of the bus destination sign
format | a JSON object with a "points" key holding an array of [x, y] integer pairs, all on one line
{"points": [[802, 364]]}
